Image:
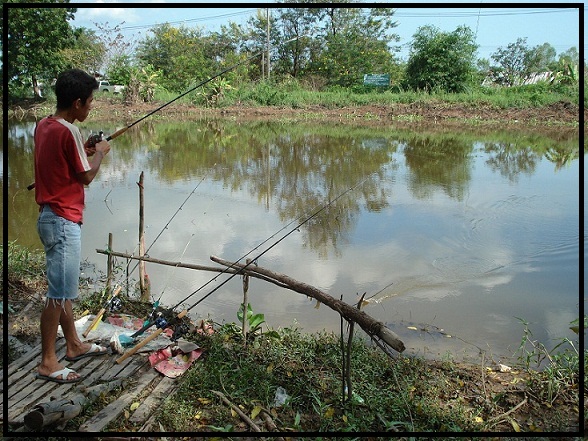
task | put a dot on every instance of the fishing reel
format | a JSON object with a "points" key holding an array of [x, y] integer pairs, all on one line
{"points": [[180, 330], [160, 322], [94, 139], [115, 304]]}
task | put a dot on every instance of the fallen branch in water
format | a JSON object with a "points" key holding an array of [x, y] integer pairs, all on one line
{"points": [[371, 326]]}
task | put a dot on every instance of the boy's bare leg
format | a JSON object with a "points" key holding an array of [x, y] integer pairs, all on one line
{"points": [[74, 345], [50, 318]]}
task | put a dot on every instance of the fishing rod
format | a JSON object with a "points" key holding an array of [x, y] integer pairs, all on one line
{"points": [[150, 320], [124, 129], [252, 261], [162, 323], [151, 317]]}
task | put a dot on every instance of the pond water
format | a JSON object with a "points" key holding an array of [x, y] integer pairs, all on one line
{"points": [[456, 237]]}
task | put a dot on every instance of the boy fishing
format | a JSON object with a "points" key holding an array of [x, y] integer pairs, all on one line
{"points": [[63, 165]]}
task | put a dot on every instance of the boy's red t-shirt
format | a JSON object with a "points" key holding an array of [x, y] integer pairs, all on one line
{"points": [[59, 157]]}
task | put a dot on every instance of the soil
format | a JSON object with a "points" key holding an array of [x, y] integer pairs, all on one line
{"points": [[559, 114]]}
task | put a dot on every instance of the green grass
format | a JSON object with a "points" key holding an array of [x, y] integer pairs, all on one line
{"points": [[395, 393], [23, 264], [291, 94]]}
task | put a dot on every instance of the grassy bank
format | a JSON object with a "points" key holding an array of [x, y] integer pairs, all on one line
{"points": [[290, 95], [388, 393]]}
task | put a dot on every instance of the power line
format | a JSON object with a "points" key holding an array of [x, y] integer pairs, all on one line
{"points": [[429, 13], [191, 20], [474, 13]]}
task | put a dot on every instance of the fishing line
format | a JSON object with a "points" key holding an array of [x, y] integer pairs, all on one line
{"points": [[169, 222], [324, 207], [169, 273], [162, 323]]}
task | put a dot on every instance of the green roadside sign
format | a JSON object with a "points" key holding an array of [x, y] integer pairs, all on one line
{"points": [[376, 80]]}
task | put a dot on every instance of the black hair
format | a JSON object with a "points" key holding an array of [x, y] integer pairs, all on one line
{"points": [[73, 84]]}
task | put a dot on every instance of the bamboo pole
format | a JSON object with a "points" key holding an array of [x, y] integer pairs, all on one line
{"points": [[245, 302], [144, 294], [371, 326], [109, 269]]}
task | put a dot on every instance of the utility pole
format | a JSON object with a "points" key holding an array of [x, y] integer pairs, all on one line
{"points": [[268, 43]]}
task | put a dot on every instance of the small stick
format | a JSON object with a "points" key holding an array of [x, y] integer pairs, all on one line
{"points": [[514, 409], [244, 417]]}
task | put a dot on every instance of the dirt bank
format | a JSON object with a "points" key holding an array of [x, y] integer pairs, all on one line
{"points": [[559, 114]]}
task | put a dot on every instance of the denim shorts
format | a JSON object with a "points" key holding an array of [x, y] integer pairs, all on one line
{"points": [[62, 240]]}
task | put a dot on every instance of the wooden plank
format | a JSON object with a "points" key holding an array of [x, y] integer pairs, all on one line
{"points": [[29, 396], [131, 369], [24, 362], [108, 414], [97, 369], [85, 367], [59, 411], [125, 369], [92, 368], [37, 390], [153, 400]]}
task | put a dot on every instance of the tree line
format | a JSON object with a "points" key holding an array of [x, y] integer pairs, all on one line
{"points": [[321, 47]]}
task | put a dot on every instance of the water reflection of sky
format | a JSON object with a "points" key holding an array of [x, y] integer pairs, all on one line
{"points": [[506, 246], [452, 264]]}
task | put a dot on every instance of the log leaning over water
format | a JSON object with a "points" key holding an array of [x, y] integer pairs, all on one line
{"points": [[371, 326]]}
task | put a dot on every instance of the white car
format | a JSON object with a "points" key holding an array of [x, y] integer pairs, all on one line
{"points": [[105, 86]]}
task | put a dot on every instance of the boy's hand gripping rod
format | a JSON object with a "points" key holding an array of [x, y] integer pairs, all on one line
{"points": [[124, 129]]}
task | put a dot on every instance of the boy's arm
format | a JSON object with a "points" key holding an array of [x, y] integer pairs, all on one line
{"points": [[102, 148]]}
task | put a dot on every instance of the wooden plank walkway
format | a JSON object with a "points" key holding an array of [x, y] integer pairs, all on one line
{"points": [[144, 384]]}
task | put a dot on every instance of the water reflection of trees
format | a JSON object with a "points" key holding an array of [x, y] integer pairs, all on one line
{"points": [[510, 160], [296, 169], [562, 156], [293, 171], [440, 162]]}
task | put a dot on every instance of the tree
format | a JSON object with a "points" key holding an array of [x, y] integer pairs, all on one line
{"points": [[35, 38], [87, 52], [541, 58], [180, 54], [441, 60], [119, 69], [513, 61], [114, 49], [298, 24], [354, 42], [257, 41]]}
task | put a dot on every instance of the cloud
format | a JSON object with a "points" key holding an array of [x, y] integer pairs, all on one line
{"points": [[113, 14]]}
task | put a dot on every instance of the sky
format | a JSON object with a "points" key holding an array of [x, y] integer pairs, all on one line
{"points": [[495, 25]]}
